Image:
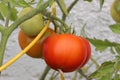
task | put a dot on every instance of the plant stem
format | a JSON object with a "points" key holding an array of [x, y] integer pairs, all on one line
{"points": [[52, 17], [1, 28], [82, 73], [69, 9], [8, 15], [95, 62], [6, 33], [47, 69], [3, 45]]}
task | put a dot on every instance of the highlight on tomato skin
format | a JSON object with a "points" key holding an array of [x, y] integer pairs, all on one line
{"points": [[36, 50], [65, 51]]}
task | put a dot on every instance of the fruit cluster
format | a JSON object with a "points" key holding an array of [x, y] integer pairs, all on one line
{"points": [[66, 52]]}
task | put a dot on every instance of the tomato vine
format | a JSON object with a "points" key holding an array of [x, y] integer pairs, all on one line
{"points": [[108, 70]]}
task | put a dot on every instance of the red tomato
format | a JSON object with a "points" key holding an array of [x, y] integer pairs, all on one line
{"points": [[88, 50], [64, 51], [35, 51]]}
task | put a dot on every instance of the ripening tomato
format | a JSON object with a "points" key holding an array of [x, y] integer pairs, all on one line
{"points": [[64, 51], [35, 51]]}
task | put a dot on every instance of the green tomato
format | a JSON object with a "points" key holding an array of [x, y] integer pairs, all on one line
{"points": [[115, 11], [32, 26]]}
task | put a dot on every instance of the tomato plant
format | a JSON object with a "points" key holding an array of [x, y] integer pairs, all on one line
{"points": [[65, 51], [35, 51]]}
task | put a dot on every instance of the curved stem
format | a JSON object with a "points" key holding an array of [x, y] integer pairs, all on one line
{"points": [[69, 9], [26, 48], [6, 32], [47, 69], [52, 17], [2, 45]]}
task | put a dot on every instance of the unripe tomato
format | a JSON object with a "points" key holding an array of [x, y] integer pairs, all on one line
{"points": [[64, 51], [35, 51], [115, 11], [32, 26]]}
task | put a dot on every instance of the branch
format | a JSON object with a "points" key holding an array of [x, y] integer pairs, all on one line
{"points": [[52, 17], [82, 73], [69, 9], [6, 32], [8, 15], [47, 69]]}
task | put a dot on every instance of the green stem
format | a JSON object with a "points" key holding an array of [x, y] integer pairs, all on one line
{"points": [[8, 15], [1, 28], [84, 75], [95, 62], [52, 17], [69, 9], [47, 69], [6, 33], [3, 45]]}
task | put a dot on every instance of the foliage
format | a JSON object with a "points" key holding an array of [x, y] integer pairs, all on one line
{"points": [[109, 70]]}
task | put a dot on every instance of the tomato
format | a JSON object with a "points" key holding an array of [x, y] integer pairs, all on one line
{"points": [[35, 51], [114, 11], [64, 51], [32, 26], [88, 50]]}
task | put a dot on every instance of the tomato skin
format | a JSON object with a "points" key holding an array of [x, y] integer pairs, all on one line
{"points": [[88, 50], [35, 51], [64, 51]]}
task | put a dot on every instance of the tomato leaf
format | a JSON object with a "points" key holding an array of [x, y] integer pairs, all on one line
{"points": [[3, 9], [18, 3], [62, 6], [104, 72], [13, 15], [117, 48], [101, 45], [115, 28]]}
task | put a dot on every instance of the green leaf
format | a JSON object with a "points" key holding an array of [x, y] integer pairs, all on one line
{"points": [[50, 2], [115, 28], [101, 3], [62, 6], [101, 45], [105, 71], [117, 48], [19, 3], [3, 9], [13, 15], [22, 3]]}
